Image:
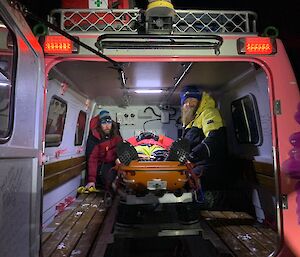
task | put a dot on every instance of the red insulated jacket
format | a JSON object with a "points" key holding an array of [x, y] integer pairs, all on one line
{"points": [[104, 152]]}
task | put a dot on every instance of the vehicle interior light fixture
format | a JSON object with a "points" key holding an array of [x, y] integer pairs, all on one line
{"points": [[3, 84], [148, 91]]}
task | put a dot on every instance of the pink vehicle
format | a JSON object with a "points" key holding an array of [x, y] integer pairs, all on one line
{"points": [[134, 63]]}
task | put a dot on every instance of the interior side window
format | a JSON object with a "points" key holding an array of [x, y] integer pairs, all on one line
{"points": [[55, 121], [80, 127], [246, 120], [8, 59]]}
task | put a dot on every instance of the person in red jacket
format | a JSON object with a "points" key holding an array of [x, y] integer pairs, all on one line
{"points": [[103, 155]]}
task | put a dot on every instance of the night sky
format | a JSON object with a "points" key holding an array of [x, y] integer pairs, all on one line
{"points": [[284, 15]]}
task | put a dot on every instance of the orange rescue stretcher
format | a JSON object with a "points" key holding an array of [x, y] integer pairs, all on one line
{"points": [[165, 181], [162, 175]]}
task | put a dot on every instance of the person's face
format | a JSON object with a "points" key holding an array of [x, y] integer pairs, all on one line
{"points": [[189, 109], [106, 126], [190, 103]]}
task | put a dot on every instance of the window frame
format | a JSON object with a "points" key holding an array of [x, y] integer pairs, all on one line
{"points": [[62, 134], [11, 114], [256, 117], [81, 111]]}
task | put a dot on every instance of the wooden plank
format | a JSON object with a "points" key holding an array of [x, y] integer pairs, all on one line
{"points": [[58, 235], [61, 177], [83, 247], [267, 182], [229, 239], [69, 242], [253, 246], [55, 167], [238, 215], [217, 215], [227, 215], [105, 237], [46, 236], [206, 214], [250, 242], [243, 215], [216, 240], [221, 229], [264, 168], [259, 237], [57, 173], [59, 219], [269, 233]]}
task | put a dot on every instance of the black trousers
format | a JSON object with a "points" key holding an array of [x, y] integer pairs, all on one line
{"points": [[106, 175], [215, 177]]}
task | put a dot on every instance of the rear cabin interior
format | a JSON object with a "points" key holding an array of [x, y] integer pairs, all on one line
{"points": [[51, 88], [245, 224]]}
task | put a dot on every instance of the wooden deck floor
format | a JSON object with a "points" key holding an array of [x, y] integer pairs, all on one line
{"points": [[75, 232], [241, 233]]}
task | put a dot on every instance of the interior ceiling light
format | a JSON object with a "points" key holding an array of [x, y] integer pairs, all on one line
{"points": [[148, 91]]}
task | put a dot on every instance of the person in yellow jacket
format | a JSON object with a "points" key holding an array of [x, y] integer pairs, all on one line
{"points": [[204, 129]]}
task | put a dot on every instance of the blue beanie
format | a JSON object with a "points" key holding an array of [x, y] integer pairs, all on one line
{"points": [[190, 91], [104, 115]]}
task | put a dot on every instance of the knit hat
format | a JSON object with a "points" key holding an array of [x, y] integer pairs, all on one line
{"points": [[104, 115], [190, 91]]}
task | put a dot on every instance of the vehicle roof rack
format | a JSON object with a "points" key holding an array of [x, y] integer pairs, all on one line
{"points": [[191, 22]]}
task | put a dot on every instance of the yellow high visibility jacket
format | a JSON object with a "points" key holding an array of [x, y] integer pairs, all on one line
{"points": [[148, 150], [207, 116]]}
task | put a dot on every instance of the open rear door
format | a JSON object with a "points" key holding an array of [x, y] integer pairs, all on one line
{"points": [[21, 98]]}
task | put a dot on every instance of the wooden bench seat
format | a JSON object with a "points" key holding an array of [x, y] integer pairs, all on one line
{"points": [[73, 231], [265, 175], [241, 233], [60, 172]]}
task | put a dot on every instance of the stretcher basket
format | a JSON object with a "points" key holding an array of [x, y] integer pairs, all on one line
{"points": [[149, 183], [154, 175]]}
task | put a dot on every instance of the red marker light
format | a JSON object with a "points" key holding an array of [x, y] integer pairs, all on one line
{"points": [[256, 45], [58, 45], [259, 45]]}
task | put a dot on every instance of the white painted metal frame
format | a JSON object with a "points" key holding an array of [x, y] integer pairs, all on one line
{"points": [[21, 172]]}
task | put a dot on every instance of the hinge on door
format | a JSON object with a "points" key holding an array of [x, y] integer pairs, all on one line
{"points": [[277, 107], [284, 202], [17, 5], [42, 158]]}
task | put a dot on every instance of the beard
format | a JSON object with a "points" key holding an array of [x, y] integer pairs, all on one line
{"points": [[187, 115], [107, 132], [104, 132]]}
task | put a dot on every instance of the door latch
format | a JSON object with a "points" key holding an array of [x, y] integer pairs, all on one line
{"points": [[284, 202]]}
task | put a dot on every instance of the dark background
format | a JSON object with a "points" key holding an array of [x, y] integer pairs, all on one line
{"points": [[284, 15]]}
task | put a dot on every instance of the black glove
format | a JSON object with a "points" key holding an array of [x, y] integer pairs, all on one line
{"points": [[191, 157], [198, 170]]}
